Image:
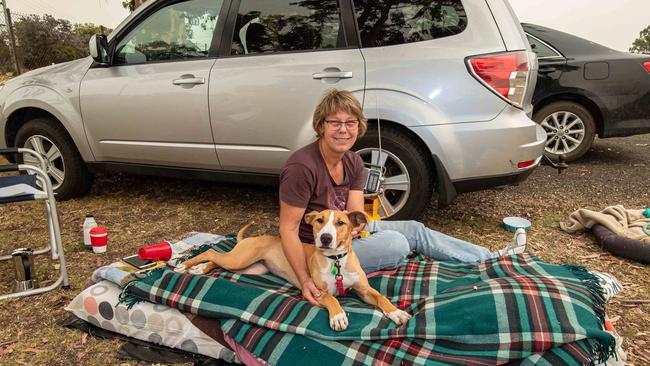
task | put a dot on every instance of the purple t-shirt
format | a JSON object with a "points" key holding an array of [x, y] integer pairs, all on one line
{"points": [[305, 182]]}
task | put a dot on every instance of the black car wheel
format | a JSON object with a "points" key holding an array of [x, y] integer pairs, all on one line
{"points": [[65, 167], [407, 180], [570, 129]]}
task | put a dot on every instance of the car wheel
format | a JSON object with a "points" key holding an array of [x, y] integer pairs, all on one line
{"points": [[570, 129], [65, 167], [407, 180]]}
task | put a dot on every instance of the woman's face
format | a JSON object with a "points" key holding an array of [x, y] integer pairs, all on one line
{"points": [[340, 131]]}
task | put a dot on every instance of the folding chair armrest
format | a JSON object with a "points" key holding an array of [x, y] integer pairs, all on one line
{"points": [[9, 168], [21, 150], [9, 150]]}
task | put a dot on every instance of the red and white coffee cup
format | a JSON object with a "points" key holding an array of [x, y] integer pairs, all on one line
{"points": [[99, 239]]}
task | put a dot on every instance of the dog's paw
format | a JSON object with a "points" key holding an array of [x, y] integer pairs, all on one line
{"points": [[198, 269], [339, 322], [180, 268], [399, 316]]}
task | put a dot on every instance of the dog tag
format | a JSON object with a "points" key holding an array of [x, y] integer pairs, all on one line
{"points": [[334, 270]]}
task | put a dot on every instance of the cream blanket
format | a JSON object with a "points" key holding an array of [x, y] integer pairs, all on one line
{"points": [[618, 219]]}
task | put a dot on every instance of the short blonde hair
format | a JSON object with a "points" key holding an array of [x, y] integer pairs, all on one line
{"points": [[333, 101]]}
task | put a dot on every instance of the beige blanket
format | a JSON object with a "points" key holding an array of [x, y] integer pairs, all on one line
{"points": [[622, 222]]}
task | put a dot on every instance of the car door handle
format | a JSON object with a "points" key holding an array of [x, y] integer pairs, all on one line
{"points": [[332, 74], [189, 81]]}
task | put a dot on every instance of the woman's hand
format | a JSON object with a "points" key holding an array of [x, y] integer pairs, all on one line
{"points": [[310, 292]]}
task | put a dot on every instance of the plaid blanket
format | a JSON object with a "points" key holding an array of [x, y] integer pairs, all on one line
{"points": [[515, 308]]}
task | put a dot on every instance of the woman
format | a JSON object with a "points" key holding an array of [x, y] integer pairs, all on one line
{"points": [[326, 174]]}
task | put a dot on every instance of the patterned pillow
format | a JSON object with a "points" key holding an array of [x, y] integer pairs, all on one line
{"points": [[149, 322]]}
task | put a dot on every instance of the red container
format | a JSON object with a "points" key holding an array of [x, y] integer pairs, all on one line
{"points": [[99, 239], [156, 252]]}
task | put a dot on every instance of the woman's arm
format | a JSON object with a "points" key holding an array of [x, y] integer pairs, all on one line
{"points": [[356, 203], [290, 218]]}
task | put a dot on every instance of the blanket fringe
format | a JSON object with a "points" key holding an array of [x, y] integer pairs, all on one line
{"points": [[129, 298], [603, 349]]}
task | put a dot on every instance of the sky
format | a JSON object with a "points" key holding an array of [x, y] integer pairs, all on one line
{"points": [[612, 23]]}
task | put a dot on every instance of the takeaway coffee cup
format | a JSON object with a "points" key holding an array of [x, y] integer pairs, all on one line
{"points": [[99, 239], [156, 252]]}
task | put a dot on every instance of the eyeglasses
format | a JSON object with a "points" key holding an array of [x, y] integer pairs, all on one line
{"points": [[351, 124]]}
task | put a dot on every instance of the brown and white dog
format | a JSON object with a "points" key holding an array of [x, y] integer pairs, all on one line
{"points": [[331, 262]]}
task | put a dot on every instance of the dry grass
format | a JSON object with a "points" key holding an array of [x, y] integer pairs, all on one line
{"points": [[144, 210], [5, 77]]}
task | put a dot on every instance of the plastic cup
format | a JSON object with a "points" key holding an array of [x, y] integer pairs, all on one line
{"points": [[99, 239], [156, 252]]}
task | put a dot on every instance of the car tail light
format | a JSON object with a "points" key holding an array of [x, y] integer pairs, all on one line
{"points": [[646, 65], [506, 74]]}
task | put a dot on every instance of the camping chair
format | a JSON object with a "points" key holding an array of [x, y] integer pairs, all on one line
{"points": [[29, 187]]}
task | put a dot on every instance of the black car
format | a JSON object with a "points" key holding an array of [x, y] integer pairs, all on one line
{"points": [[585, 89]]}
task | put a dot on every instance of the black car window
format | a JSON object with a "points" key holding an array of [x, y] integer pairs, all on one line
{"points": [[287, 25], [540, 48], [179, 31], [390, 22]]}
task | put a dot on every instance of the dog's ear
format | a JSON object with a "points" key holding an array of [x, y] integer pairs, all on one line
{"points": [[357, 218], [311, 216]]}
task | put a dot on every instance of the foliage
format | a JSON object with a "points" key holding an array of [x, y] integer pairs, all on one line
{"points": [[44, 40], [6, 59], [132, 4], [642, 44]]}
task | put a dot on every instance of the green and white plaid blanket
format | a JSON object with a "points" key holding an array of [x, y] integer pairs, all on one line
{"points": [[515, 308]]}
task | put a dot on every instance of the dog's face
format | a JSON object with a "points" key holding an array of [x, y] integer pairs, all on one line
{"points": [[333, 229]]}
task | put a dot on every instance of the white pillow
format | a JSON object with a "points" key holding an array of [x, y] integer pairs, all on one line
{"points": [[149, 322]]}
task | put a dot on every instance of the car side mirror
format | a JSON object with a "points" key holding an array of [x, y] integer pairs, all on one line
{"points": [[98, 45]]}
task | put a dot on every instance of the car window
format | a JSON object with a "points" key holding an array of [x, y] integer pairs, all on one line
{"points": [[390, 22], [287, 25], [540, 48], [176, 32]]}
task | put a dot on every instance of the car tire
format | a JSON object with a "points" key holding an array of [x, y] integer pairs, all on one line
{"points": [[68, 172], [570, 129], [408, 179]]}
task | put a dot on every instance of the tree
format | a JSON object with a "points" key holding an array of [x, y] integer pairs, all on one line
{"points": [[642, 44], [6, 58], [132, 4], [44, 40]]}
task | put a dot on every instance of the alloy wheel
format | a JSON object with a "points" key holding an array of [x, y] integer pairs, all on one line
{"points": [[565, 132], [54, 163], [395, 184]]}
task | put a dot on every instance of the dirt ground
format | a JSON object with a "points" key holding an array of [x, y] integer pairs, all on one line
{"points": [[143, 210]]}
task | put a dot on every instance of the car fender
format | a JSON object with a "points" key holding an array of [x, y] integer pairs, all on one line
{"points": [[52, 102], [580, 95], [408, 111], [413, 113]]}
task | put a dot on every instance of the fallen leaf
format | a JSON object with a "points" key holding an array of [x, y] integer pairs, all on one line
{"points": [[84, 338], [32, 350], [7, 350], [590, 256]]}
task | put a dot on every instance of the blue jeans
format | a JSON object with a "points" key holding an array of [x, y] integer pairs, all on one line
{"points": [[392, 241]]}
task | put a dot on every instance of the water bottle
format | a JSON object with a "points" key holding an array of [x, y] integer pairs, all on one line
{"points": [[89, 223]]}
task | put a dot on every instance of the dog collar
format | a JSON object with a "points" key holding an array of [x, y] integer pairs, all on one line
{"points": [[338, 276], [337, 257]]}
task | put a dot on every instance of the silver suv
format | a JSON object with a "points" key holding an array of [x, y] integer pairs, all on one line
{"points": [[225, 90]]}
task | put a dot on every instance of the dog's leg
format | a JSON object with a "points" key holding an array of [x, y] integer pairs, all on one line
{"points": [[192, 262], [338, 319], [371, 296], [240, 257]]}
